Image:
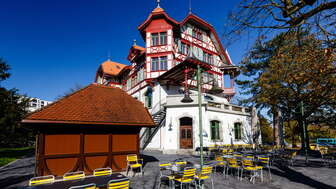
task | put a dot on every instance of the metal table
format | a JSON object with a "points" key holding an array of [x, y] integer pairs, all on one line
{"points": [[100, 181]]}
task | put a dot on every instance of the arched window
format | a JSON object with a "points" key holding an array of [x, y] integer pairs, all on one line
{"points": [[238, 131], [214, 130]]}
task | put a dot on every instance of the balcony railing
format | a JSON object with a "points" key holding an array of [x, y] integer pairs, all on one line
{"points": [[175, 100]]}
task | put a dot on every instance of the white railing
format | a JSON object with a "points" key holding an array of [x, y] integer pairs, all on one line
{"points": [[175, 100]]}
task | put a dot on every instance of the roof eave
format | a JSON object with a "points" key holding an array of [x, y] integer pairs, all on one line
{"points": [[35, 121]]}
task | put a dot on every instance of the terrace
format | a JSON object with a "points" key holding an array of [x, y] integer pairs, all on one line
{"points": [[283, 175]]}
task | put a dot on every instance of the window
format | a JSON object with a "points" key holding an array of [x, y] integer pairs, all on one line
{"points": [[159, 38], [184, 49], [163, 63], [197, 34], [140, 75], [237, 131], [163, 38], [207, 77], [128, 84], [155, 65], [208, 58], [155, 39], [214, 130], [134, 81], [159, 63], [148, 98]]}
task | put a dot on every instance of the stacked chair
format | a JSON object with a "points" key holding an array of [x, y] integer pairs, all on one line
{"points": [[186, 178], [206, 173], [134, 163], [74, 175], [42, 180], [164, 175]]}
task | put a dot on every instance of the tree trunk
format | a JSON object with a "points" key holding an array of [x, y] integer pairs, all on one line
{"points": [[276, 127]]}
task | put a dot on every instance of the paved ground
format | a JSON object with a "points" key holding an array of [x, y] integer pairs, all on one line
{"points": [[300, 176]]}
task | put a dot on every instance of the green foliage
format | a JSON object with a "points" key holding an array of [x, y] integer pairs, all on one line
{"points": [[293, 67], [13, 108], [292, 132], [266, 130], [8, 155], [4, 68]]}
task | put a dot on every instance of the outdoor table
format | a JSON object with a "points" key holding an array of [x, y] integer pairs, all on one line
{"points": [[228, 156], [100, 181]]}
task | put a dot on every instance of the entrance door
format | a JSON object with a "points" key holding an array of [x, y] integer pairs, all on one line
{"points": [[186, 134]]}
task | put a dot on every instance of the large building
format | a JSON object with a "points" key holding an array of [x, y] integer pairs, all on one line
{"points": [[36, 104], [163, 73]]}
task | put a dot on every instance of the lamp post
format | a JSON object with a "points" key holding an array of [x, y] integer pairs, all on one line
{"points": [[187, 99], [199, 86]]}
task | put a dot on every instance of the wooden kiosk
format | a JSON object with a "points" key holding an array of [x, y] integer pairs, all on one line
{"points": [[94, 127]]}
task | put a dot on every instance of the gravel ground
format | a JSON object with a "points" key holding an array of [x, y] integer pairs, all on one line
{"points": [[300, 176]]}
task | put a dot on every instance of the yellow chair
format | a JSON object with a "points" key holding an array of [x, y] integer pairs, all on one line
{"points": [[86, 186], [233, 164], [225, 151], [323, 151], [164, 167], [74, 175], [186, 178], [49, 179], [180, 163], [265, 161], [102, 172], [204, 175], [118, 184], [134, 163], [247, 165], [220, 163]]}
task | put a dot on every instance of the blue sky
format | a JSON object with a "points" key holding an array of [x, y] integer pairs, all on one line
{"points": [[52, 46]]}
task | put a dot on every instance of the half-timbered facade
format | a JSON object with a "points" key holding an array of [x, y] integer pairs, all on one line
{"points": [[162, 73]]}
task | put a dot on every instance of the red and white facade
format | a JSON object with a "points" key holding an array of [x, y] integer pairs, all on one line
{"points": [[155, 78]]}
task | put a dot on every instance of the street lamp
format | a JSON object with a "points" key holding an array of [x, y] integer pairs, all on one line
{"points": [[187, 99]]}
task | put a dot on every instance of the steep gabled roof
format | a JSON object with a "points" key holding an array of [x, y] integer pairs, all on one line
{"points": [[193, 18], [135, 51], [94, 105], [112, 68], [157, 13]]}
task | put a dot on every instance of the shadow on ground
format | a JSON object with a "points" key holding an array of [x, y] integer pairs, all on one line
{"points": [[295, 176]]}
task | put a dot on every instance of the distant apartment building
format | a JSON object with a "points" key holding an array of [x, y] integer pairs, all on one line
{"points": [[36, 103]]}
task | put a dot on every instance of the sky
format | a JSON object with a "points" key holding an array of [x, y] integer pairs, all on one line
{"points": [[52, 46]]}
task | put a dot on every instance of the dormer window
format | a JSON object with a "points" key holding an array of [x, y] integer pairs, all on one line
{"points": [[159, 38]]}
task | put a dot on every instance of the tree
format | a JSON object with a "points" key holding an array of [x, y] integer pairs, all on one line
{"points": [[293, 67], [266, 130], [292, 131], [273, 15], [70, 91], [4, 74], [13, 108]]}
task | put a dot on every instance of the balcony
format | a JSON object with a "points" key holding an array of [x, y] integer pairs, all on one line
{"points": [[175, 100]]}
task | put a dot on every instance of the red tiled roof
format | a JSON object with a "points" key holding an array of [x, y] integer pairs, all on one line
{"points": [[112, 68], [94, 104]]}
